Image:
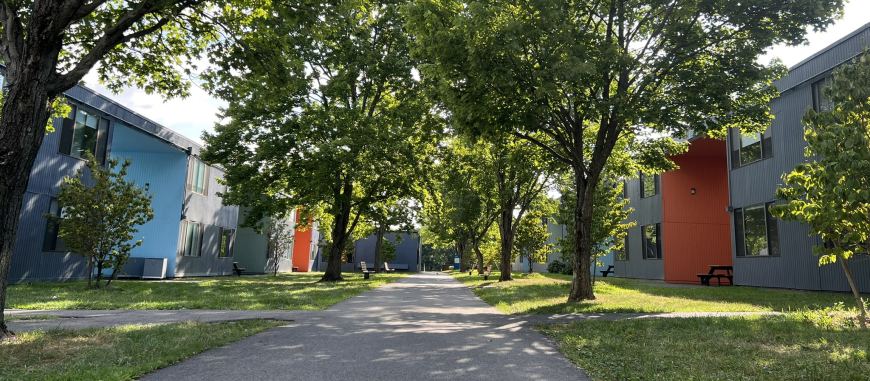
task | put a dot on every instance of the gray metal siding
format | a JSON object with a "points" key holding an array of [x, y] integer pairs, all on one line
{"points": [[825, 60], [213, 215], [647, 211]]}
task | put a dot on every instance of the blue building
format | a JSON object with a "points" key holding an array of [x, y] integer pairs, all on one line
{"points": [[192, 231]]}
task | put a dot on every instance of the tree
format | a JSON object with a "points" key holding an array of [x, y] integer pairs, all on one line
{"points": [[49, 45], [586, 75], [99, 216], [831, 192], [531, 239], [279, 236], [390, 214], [324, 109], [434, 257]]}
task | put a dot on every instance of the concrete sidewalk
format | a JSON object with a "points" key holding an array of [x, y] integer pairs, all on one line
{"points": [[424, 326]]}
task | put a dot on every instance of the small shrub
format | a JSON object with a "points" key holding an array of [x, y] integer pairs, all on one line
{"points": [[837, 316], [559, 267]]}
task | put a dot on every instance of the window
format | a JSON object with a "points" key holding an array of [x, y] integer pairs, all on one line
{"points": [[192, 239], [226, 250], [820, 102], [622, 255], [652, 241], [747, 149], [648, 185], [624, 189], [87, 132], [313, 250], [756, 231], [197, 176], [51, 241], [288, 253]]}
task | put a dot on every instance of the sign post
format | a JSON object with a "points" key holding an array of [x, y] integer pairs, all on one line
{"points": [[456, 262]]}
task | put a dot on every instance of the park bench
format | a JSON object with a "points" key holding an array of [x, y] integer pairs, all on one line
{"points": [[705, 278], [365, 270], [488, 271], [236, 269], [387, 268], [609, 270]]}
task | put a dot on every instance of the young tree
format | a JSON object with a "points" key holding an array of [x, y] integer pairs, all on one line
{"points": [[831, 193], [391, 214], [323, 108], [279, 236], [49, 45], [531, 239], [586, 75], [99, 216]]}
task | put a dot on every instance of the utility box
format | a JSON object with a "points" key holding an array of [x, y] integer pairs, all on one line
{"points": [[154, 268]]}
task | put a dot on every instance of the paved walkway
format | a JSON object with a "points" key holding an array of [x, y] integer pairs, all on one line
{"points": [[424, 326]]}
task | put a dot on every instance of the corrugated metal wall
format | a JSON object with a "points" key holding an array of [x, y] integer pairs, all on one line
{"points": [[407, 251], [757, 183], [647, 211], [251, 249]]}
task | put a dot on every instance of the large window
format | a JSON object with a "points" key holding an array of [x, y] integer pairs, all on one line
{"points": [[649, 185], [226, 249], [84, 132], [51, 241], [756, 231], [747, 149], [622, 255], [192, 239], [197, 176], [820, 102], [652, 241]]}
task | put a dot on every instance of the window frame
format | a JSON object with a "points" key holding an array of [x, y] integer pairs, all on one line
{"points": [[52, 231], [816, 88], [658, 231], [774, 249], [765, 146], [656, 187], [229, 250], [624, 251], [193, 162], [68, 130], [186, 235]]}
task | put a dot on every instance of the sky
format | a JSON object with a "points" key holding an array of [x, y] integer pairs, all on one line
{"points": [[197, 113]]}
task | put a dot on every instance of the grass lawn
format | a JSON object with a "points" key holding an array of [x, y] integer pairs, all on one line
{"points": [[547, 294], [299, 291], [119, 353], [784, 347]]}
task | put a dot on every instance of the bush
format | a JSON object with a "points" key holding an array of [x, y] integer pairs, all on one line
{"points": [[559, 267]]}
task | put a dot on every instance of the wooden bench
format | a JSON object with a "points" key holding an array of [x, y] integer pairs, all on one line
{"points": [[486, 274], [387, 268], [609, 270], [236, 269], [365, 270], [705, 278]]}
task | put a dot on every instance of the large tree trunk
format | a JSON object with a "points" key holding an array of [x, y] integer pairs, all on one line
{"points": [[378, 244], [479, 255], [581, 285], [863, 317], [340, 234], [506, 233], [26, 110]]}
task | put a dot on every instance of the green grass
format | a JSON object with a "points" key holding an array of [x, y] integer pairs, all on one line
{"points": [[777, 348], [9, 318], [118, 353], [547, 294], [299, 291]]}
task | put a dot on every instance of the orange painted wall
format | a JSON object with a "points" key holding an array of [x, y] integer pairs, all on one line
{"points": [[301, 248], [696, 229]]}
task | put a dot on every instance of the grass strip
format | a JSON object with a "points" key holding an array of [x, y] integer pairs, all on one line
{"points": [[116, 353]]}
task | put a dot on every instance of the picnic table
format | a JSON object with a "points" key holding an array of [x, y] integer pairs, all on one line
{"points": [[728, 274]]}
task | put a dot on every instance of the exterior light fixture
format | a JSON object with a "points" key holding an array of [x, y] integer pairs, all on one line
{"points": [[693, 191], [148, 186]]}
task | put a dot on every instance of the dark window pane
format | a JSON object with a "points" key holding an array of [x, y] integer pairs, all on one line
{"points": [[772, 232], [192, 240], [755, 230], [651, 242], [66, 132], [735, 158], [738, 233], [226, 242], [648, 185], [51, 241], [820, 102], [622, 255], [102, 141], [85, 135]]}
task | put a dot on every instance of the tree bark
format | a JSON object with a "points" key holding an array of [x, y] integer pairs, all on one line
{"points": [[340, 233], [506, 234], [581, 284], [380, 240], [479, 255], [862, 318]]}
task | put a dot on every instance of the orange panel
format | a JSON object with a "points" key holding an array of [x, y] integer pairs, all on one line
{"points": [[696, 229], [301, 247]]}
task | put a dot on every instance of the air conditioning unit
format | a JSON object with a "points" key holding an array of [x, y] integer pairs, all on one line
{"points": [[155, 268]]}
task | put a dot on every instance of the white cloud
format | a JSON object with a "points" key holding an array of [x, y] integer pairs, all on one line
{"points": [[189, 117]]}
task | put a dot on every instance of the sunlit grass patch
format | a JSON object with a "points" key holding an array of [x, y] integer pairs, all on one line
{"points": [[117, 353], [299, 291], [548, 294], [787, 347]]}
